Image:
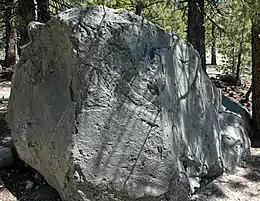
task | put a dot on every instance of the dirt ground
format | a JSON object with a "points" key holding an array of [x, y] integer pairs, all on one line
{"points": [[20, 182], [242, 185]]}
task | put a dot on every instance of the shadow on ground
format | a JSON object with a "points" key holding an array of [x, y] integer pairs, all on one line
{"points": [[254, 166], [243, 184]]}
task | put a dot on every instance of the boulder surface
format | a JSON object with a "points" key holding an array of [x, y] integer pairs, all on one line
{"points": [[108, 107]]}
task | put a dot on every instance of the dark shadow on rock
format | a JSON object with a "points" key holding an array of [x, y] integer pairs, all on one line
{"points": [[213, 190], [43, 193], [15, 176], [238, 110]]}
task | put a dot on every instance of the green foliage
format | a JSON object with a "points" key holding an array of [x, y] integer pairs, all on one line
{"points": [[229, 32], [229, 18], [167, 17], [171, 15], [253, 7]]}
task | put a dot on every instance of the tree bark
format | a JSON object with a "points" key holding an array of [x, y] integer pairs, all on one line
{"points": [[43, 14], [26, 9], [213, 47], [11, 50], [139, 8], [196, 28], [240, 49], [249, 91], [256, 83], [234, 55]]}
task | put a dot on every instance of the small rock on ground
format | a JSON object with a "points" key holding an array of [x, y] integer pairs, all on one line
{"points": [[6, 157]]}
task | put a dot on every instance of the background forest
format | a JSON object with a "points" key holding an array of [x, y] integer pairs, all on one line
{"points": [[227, 24]]}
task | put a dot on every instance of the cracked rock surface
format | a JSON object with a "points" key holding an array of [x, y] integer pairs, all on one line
{"points": [[115, 109]]}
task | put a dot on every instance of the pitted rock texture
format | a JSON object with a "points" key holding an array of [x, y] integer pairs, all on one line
{"points": [[108, 107]]}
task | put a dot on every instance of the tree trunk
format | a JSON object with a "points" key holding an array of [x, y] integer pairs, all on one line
{"points": [[43, 14], [256, 83], [213, 47], [249, 91], [234, 55], [196, 28], [26, 10], [139, 8], [240, 49], [11, 51]]}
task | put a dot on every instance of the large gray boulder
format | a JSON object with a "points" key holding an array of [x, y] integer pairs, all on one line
{"points": [[108, 107]]}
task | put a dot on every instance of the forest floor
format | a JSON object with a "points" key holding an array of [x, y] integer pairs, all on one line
{"points": [[19, 182], [241, 185]]}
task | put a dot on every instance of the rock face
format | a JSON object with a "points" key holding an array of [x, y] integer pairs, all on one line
{"points": [[107, 107]]}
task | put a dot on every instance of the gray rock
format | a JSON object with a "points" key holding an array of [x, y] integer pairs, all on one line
{"points": [[37, 176], [115, 109], [235, 127], [29, 185], [1, 184], [6, 157]]}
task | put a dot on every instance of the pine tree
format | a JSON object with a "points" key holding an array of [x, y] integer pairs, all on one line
{"points": [[256, 80], [26, 9], [196, 28], [43, 10]]}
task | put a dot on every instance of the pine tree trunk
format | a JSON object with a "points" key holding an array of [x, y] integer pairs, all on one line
{"points": [[234, 55], [139, 8], [26, 10], [256, 83], [249, 91], [11, 51], [196, 28], [43, 10], [240, 49], [213, 47]]}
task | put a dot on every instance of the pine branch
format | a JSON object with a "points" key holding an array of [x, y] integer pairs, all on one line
{"points": [[251, 9], [153, 3]]}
